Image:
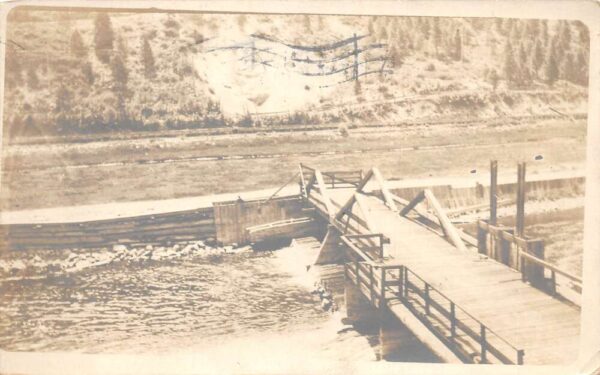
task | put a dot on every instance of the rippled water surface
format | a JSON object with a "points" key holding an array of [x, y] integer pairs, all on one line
{"points": [[153, 305]]}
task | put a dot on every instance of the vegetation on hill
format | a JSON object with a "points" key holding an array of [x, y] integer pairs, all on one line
{"points": [[70, 72]]}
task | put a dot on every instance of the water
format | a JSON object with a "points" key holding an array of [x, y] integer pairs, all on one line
{"points": [[183, 299], [153, 306]]}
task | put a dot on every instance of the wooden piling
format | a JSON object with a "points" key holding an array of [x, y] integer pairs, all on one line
{"points": [[520, 224], [493, 192]]}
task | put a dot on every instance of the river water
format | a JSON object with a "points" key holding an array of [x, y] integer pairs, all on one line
{"points": [[179, 303]]}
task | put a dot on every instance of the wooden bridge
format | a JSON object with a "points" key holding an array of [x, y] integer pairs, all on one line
{"points": [[405, 258]]}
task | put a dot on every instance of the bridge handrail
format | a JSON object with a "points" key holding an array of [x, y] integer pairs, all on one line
{"points": [[551, 267], [364, 255], [381, 288], [472, 334]]}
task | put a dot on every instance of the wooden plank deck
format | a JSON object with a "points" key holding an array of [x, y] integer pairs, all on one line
{"points": [[545, 327]]}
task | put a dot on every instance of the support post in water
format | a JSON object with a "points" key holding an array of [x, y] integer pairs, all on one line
{"points": [[520, 224], [493, 191]]}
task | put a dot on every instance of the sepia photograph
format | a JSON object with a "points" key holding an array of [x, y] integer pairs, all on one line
{"points": [[210, 191]]}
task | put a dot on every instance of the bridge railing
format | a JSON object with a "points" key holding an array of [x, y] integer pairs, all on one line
{"points": [[452, 323], [367, 246], [468, 337], [523, 254], [334, 179], [342, 179]]}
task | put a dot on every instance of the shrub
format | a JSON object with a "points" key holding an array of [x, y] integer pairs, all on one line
{"points": [[343, 130], [171, 23]]}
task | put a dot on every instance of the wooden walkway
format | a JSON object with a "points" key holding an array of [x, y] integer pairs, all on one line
{"points": [[498, 309]]}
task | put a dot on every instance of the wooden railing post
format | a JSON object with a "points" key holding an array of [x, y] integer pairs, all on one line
{"points": [[382, 301], [520, 355], [427, 299], [535, 272], [522, 264], [452, 320], [405, 283], [372, 284], [401, 281], [483, 345]]}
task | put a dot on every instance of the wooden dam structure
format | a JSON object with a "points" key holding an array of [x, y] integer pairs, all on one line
{"points": [[490, 299], [487, 298]]}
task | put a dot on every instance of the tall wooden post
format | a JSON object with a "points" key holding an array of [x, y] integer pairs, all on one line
{"points": [[481, 238], [493, 191], [520, 225], [355, 57]]}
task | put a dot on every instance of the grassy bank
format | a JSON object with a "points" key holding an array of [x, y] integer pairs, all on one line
{"points": [[99, 172]]}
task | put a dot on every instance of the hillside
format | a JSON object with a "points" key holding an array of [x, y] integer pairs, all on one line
{"points": [[69, 72]]}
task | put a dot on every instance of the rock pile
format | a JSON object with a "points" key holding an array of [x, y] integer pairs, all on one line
{"points": [[326, 297], [77, 260]]}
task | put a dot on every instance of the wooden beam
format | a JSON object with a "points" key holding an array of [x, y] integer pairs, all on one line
{"points": [[324, 194], [449, 228], [366, 217], [364, 181], [347, 206], [384, 190], [416, 200], [310, 184], [476, 207], [302, 181]]}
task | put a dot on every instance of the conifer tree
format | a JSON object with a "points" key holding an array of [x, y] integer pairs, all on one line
{"points": [[565, 36], [122, 49], [103, 37], [581, 69], [524, 70], [77, 47], [307, 24], [538, 56], [32, 79], [493, 77], [457, 46], [567, 68], [544, 33], [119, 73], [88, 73], [510, 67], [552, 71], [437, 35], [148, 59]]}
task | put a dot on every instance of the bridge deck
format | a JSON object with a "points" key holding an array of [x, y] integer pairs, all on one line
{"points": [[545, 327]]}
